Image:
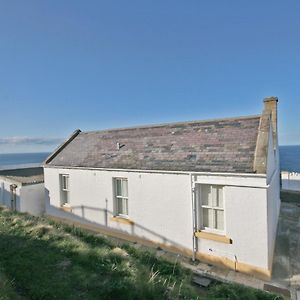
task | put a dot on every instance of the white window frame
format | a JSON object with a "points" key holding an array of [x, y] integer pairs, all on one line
{"points": [[64, 191], [123, 198], [214, 208]]}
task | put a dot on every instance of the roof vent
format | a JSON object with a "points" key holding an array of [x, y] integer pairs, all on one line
{"points": [[119, 146]]}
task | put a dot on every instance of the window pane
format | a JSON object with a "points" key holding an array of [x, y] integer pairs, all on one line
{"points": [[66, 182], [118, 187], [66, 196], [125, 207], [206, 195], [214, 195], [125, 188], [217, 195], [208, 217], [120, 205], [63, 181], [220, 197], [219, 217]]}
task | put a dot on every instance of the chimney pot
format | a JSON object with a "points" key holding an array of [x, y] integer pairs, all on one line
{"points": [[270, 99]]}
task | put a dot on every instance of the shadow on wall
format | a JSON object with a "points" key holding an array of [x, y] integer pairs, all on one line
{"points": [[6, 199], [80, 213]]}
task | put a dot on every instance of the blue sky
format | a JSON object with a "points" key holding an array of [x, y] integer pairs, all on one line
{"points": [[102, 64]]}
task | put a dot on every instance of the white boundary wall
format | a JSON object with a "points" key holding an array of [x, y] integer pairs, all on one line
{"points": [[32, 199], [29, 198], [290, 181]]}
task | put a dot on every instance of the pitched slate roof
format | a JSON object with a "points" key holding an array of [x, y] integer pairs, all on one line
{"points": [[224, 145], [24, 176]]}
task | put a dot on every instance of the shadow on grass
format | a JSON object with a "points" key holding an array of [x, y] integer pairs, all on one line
{"points": [[41, 270], [48, 260]]}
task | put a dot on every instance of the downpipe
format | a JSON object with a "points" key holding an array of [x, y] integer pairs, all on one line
{"points": [[193, 219]]}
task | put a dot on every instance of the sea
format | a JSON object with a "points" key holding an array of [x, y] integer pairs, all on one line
{"points": [[289, 159], [22, 160]]}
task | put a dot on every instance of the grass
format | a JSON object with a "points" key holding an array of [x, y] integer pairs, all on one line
{"points": [[43, 259], [7, 290]]}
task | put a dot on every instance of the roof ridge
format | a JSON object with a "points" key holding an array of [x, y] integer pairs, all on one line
{"points": [[172, 123]]}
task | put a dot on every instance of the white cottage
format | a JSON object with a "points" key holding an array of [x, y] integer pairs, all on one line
{"points": [[207, 189], [23, 190]]}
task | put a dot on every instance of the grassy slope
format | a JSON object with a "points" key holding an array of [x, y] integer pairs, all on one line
{"points": [[41, 259]]}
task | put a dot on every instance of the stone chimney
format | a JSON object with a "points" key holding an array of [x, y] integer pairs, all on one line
{"points": [[268, 116], [271, 108]]}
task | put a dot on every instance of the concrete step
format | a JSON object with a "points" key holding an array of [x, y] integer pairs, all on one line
{"points": [[202, 281]]}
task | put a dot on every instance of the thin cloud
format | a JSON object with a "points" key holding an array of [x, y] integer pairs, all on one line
{"points": [[25, 140]]}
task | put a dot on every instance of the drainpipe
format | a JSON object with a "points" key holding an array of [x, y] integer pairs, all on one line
{"points": [[13, 188], [193, 218]]}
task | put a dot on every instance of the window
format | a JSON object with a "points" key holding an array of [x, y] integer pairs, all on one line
{"points": [[121, 196], [212, 207], [64, 189]]}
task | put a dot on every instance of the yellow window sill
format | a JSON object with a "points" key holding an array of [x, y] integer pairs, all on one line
{"points": [[212, 236], [66, 208], [122, 220]]}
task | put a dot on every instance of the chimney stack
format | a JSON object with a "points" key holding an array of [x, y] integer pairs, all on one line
{"points": [[271, 108]]}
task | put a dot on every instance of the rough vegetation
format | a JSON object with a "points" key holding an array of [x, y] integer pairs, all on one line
{"points": [[43, 259]]}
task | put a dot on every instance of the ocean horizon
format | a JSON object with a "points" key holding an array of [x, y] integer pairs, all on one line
{"points": [[289, 159], [22, 160]]}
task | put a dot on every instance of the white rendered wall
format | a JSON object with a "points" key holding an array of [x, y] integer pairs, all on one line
{"points": [[273, 195], [245, 214], [32, 199], [159, 204]]}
